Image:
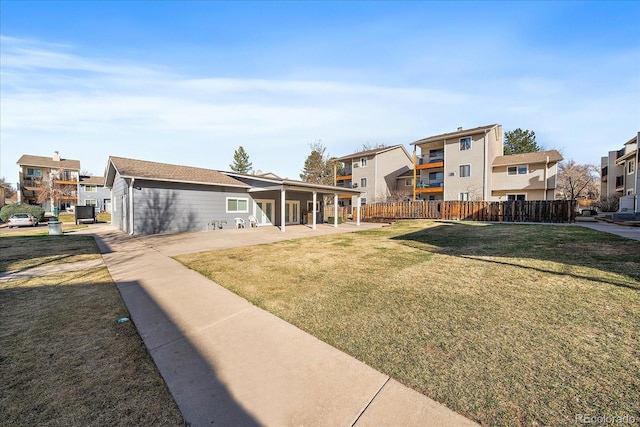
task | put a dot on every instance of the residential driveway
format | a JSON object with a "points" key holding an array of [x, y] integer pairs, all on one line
{"points": [[228, 362]]}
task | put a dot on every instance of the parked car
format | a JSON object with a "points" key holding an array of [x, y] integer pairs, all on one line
{"points": [[22, 219]]}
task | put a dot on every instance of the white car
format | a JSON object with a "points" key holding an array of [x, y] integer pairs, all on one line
{"points": [[22, 219]]}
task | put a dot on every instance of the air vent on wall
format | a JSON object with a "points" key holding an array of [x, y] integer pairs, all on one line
{"points": [[452, 174]]}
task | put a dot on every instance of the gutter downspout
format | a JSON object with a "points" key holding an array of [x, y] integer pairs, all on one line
{"points": [[131, 206], [486, 168]]}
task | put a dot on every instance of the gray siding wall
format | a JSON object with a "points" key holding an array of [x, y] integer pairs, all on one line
{"points": [[99, 196], [162, 207]]}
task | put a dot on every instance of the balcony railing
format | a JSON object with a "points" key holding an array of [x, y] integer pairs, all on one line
{"points": [[347, 184], [620, 181], [429, 184]]}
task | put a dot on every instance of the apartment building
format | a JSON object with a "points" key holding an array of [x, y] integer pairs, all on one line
{"points": [[619, 175], [528, 176], [39, 174], [92, 192], [457, 165], [373, 172]]}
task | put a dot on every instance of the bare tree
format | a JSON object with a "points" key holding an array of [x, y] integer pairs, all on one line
{"points": [[8, 188], [577, 181], [371, 146], [53, 190], [399, 196]]}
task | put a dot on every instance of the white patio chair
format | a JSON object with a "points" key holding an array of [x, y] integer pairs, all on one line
{"points": [[239, 222], [253, 222]]}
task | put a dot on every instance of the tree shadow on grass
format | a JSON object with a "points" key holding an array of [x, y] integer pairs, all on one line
{"points": [[577, 246]]}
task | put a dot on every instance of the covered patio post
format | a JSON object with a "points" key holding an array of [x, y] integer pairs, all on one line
{"points": [[358, 211], [335, 210], [283, 206], [315, 196]]}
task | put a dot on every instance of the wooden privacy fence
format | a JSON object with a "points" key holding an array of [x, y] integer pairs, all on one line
{"points": [[556, 211]]}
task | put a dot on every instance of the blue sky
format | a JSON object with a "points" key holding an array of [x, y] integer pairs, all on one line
{"points": [[188, 82]]}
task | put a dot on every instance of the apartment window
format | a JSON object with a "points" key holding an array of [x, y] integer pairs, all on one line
{"points": [[91, 188], [363, 201], [363, 182], [363, 162], [465, 197], [512, 197], [465, 143], [34, 172], [465, 171], [517, 170], [631, 166], [90, 202], [408, 182], [237, 205]]}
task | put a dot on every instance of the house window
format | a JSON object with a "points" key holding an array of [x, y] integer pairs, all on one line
{"points": [[465, 171], [363, 162], [631, 166], [90, 188], [408, 182], [90, 202], [465, 143], [34, 172], [512, 197], [237, 205], [465, 197], [517, 170], [363, 201], [363, 182]]}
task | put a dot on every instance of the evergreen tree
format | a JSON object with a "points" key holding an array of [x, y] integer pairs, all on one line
{"points": [[318, 167], [520, 141], [241, 163]]}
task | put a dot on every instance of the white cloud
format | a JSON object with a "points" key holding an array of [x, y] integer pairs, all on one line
{"points": [[88, 108]]}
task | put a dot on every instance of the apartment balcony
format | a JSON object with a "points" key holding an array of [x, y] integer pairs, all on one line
{"points": [[346, 184], [65, 182], [430, 187], [620, 183], [340, 178], [426, 162]]}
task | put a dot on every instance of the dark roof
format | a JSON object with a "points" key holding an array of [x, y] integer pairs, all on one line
{"points": [[373, 152], [143, 169], [456, 134], [92, 180], [528, 158], [48, 162]]}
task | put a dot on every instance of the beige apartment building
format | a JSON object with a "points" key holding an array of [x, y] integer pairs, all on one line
{"points": [[469, 164], [457, 165], [38, 172], [529, 176], [373, 172], [619, 175]]}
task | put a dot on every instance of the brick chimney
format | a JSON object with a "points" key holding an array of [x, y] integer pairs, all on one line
{"points": [[56, 156]]}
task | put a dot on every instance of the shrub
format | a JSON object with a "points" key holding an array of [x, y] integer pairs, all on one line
{"points": [[9, 210], [610, 204]]}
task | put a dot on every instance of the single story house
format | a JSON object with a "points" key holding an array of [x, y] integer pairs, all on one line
{"points": [[150, 198]]}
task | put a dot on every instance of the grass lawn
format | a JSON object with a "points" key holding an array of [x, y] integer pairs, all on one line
{"points": [[64, 358], [506, 324]]}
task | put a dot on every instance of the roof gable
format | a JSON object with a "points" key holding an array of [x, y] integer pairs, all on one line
{"points": [[374, 152], [92, 180], [142, 169], [457, 134], [48, 162]]}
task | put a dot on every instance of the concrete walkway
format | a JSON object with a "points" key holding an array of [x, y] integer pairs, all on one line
{"points": [[227, 362], [607, 227]]}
